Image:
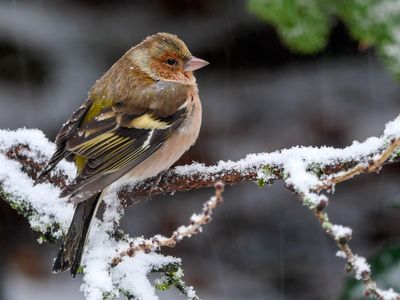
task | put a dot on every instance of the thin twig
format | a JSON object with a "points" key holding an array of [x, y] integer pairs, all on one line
{"points": [[365, 275], [373, 165], [195, 227]]}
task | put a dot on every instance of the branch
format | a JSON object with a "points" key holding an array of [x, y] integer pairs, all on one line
{"points": [[195, 227], [306, 171], [254, 168], [140, 245], [340, 234]]}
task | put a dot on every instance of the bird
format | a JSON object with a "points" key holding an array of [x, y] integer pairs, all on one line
{"points": [[139, 118]]}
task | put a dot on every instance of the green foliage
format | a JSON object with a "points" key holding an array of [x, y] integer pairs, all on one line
{"points": [[304, 25], [108, 296], [296, 21], [48, 233], [386, 268], [48, 236], [173, 278], [266, 175], [15, 203], [316, 169]]}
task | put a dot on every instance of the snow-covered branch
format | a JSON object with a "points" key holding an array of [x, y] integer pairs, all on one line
{"points": [[116, 263], [263, 168]]}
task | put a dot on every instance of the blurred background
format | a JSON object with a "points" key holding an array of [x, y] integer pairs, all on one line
{"points": [[260, 93]]}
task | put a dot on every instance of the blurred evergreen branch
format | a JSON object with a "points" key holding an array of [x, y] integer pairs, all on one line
{"points": [[304, 25]]}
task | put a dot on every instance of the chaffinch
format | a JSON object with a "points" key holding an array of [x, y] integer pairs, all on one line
{"points": [[138, 120]]}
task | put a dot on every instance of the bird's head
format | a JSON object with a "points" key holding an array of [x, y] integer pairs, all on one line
{"points": [[164, 56]]}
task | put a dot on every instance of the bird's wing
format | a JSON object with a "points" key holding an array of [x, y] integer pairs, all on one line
{"points": [[63, 135], [116, 141]]}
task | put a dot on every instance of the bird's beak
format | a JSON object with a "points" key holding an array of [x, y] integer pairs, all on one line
{"points": [[194, 64]]}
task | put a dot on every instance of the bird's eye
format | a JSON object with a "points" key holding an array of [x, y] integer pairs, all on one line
{"points": [[171, 61]]}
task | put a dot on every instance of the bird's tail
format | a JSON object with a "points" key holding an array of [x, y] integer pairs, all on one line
{"points": [[70, 254]]}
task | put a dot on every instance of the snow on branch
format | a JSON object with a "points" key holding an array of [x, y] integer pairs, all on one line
{"points": [[116, 264], [195, 227]]}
